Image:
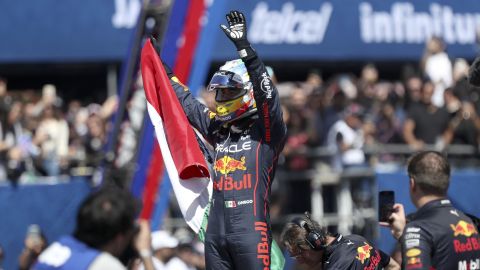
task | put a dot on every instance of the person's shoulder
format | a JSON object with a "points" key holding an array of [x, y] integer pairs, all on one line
{"points": [[474, 219], [106, 261], [444, 112], [417, 222], [339, 125], [355, 237], [345, 249], [359, 243]]}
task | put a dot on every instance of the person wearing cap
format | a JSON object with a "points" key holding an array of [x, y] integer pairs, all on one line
{"points": [[312, 245], [248, 134], [163, 246], [345, 138]]}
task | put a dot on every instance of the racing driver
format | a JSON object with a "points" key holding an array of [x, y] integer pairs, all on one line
{"points": [[248, 133]]}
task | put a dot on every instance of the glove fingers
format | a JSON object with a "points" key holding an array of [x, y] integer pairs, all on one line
{"points": [[226, 30], [235, 16], [229, 19], [241, 17]]}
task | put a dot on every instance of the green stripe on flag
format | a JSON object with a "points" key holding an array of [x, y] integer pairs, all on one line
{"points": [[278, 261], [203, 229]]}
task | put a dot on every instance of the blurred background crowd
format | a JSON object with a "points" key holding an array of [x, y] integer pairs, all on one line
{"points": [[41, 135], [427, 106]]}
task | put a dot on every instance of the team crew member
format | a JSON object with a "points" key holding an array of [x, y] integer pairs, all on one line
{"points": [[248, 133], [438, 236], [313, 246]]}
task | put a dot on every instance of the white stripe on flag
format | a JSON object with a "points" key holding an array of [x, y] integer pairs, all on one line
{"points": [[193, 194]]}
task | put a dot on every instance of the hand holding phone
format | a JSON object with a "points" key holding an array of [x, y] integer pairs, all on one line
{"points": [[33, 238], [386, 200]]}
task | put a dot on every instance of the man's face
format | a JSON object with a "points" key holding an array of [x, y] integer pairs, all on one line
{"points": [[227, 94], [427, 93], [306, 256]]}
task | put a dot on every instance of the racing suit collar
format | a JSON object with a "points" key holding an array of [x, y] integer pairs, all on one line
{"points": [[332, 246], [237, 126], [433, 204]]}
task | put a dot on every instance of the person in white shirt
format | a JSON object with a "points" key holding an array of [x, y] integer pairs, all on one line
{"points": [[345, 139], [183, 258], [438, 68]]}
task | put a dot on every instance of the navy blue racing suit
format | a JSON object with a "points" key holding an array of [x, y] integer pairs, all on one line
{"points": [[440, 237], [238, 234]]}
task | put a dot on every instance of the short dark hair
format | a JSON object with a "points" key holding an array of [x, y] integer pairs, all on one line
{"points": [[431, 172], [105, 214]]}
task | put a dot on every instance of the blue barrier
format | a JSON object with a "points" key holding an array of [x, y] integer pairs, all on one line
{"points": [[463, 193], [53, 207]]}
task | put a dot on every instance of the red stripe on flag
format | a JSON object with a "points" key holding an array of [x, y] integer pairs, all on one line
{"points": [[188, 158], [156, 168], [190, 36]]}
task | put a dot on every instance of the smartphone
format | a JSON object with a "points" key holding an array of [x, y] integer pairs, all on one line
{"points": [[34, 232], [386, 200]]}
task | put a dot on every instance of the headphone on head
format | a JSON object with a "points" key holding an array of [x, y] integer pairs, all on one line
{"points": [[315, 238]]}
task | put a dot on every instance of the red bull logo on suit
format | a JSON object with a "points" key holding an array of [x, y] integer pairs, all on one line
{"points": [[228, 164]]}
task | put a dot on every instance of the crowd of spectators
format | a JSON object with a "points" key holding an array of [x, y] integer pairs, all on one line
{"points": [[42, 136], [431, 106]]}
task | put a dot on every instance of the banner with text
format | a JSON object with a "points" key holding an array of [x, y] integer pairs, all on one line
{"points": [[67, 30], [356, 30]]}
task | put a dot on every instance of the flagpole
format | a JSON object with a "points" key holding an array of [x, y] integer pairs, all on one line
{"points": [[128, 71]]}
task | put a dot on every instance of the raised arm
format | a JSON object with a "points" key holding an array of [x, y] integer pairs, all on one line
{"points": [[265, 92]]}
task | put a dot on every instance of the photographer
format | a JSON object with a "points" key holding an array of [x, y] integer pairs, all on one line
{"points": [[313, 246], [437, 236], [105, 230]]}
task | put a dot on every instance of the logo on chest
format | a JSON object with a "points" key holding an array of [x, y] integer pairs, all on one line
{"points": [[234, 148], [228, 183], [226, 165]]}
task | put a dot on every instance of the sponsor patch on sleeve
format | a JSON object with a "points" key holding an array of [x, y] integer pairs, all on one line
{"points": [[410, 243], [414, 252]]}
